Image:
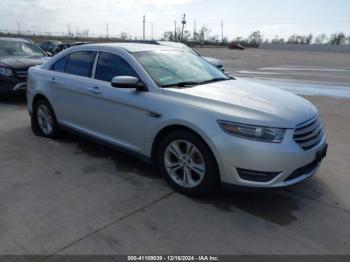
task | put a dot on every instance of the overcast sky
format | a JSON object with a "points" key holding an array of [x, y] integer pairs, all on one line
{"points": [[272, 17]]}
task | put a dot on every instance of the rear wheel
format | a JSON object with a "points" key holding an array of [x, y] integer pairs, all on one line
{"points": [[187, 163], [44, 121]]}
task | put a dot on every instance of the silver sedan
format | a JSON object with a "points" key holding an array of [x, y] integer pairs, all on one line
{"points": [[171, 107]]}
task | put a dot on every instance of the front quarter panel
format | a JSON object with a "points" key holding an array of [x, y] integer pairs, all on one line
{"points": [[177, 113]]}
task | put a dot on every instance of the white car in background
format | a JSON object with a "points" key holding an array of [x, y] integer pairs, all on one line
{"points": [[171, 107]]}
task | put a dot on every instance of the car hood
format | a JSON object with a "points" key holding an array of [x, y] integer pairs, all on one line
{"points": [[214, 61], [247, 102], [21, 63]]}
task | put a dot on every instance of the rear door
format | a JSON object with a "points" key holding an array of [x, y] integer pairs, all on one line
{"points": [[72, 89]]}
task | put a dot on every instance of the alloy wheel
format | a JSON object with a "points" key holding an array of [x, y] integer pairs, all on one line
{"points": [[184, 163], [45, 119]]}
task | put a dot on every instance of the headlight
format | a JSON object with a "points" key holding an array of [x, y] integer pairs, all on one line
{"points": [[265, 134], [5, 71]]}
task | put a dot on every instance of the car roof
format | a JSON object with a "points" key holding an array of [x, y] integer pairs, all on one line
{"points": [[133, 47], [15, 39]]}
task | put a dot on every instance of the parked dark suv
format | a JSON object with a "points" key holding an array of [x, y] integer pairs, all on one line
{"points": [[16, 56], [49, 45]]}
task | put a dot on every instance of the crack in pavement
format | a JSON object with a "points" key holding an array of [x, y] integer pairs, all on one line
{"points": [[108, 225]]}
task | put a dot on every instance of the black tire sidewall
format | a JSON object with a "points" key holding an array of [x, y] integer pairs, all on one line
{"points": [[211, 178]]}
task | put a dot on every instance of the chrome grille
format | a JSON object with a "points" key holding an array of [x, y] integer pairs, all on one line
{"points": [[309, 134], [22, 74]]}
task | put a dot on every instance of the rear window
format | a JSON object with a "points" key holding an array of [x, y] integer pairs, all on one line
{"points": [[80, 63]]}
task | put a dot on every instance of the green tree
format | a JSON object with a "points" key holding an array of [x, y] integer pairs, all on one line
{"points": [[277, 40], [168, 36], [337, 39], [321, 39], [255, 38]]}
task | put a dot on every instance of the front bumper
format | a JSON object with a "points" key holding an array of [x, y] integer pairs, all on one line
{"points": [[287, 162], [12, 84]]}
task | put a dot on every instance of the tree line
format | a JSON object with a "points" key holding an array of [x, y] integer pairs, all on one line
{"points": [[204, 36]]}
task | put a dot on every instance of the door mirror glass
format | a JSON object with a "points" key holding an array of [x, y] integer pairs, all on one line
{"points": [[127, 82]]}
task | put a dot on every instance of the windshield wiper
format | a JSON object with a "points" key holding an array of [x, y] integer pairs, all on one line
{"points": [[194, 83], [218, 79], [183, 84]]}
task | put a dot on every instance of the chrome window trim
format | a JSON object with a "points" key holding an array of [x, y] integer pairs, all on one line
{"points": [[94, 66]]}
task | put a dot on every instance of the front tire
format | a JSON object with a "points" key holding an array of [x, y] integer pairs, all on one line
{"points": [[187, 163], [43, 120]]}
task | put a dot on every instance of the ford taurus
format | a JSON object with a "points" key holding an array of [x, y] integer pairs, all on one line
{"points": [[171, 107]]}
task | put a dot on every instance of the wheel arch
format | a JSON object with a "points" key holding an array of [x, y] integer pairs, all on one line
{"points": [[178, 127], [38, 97]]}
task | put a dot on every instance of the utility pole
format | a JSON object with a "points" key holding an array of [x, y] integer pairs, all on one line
{"points": [[183, 27], [144, 27], [175, 33], [222, 31], [194, 30], [19, 28], [69, 32], [107, 31], [152, 30], [77, 32]]}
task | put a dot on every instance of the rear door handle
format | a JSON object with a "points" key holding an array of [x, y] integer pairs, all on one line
{"points": [[95, 90], [53, 80]]}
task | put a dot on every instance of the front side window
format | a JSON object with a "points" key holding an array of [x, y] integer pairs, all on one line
{"points": [[80, 63], [110, 65], [168, 68]]}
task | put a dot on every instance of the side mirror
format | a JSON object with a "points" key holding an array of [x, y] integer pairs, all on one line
{"points": [[128, 82]]}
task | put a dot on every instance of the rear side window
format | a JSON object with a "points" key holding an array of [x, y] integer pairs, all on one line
{"points": [[111, 65], [80, 63], [60, 65]]}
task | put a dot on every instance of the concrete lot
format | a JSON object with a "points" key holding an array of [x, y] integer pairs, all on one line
{"points": [[325, 67], [71, 196]]}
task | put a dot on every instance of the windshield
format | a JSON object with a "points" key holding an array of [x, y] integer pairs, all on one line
{"points": [[14, 48], [178, 45], [176, 68]]}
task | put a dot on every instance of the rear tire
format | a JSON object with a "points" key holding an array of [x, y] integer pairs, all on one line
{"points": [[43, 120], [187, 163]]}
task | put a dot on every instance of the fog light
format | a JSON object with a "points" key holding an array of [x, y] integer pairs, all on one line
{"points": [[256, 176]]}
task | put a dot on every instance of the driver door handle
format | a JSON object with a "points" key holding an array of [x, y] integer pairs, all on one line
{"points": [[95, 90]]}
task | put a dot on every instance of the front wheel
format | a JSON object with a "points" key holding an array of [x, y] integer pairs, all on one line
{"points": [[188, 163]]}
